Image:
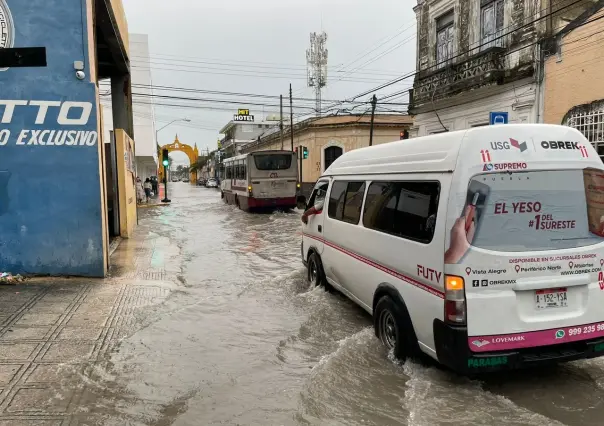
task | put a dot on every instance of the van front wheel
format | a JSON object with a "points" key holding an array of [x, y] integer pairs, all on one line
{"points": [[393, 327]]}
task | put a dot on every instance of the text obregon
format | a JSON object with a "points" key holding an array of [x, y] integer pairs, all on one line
{"points": [[70, 113]]}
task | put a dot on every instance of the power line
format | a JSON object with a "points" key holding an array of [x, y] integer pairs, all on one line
{"points": [[154, 59], [448, 60], [249, 74]]}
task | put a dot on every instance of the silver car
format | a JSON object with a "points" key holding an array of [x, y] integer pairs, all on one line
{"points": [[211, 183]]}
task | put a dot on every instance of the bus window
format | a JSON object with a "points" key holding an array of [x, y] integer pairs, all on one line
{"points": [[273, 162]]}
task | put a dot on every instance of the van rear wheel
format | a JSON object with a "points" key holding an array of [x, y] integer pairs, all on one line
{"points": [[394, 328]]}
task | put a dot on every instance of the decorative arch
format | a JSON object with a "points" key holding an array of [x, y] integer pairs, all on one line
{"points": [[192, 153], [330, 152]]}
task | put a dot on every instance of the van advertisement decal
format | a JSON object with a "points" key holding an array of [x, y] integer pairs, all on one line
{"points": [[536, 338], [526, 212]]}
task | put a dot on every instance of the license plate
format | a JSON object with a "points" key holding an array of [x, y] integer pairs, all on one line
{"points": [[551, 298]]}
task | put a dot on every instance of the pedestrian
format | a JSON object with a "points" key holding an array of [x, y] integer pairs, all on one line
{"points": [[147, 187], [140, 192]]}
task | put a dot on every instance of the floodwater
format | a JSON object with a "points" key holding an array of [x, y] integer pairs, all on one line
{"points": [[243, 340]]}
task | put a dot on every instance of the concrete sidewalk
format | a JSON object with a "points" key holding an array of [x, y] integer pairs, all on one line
{"points": [[57, 335]]}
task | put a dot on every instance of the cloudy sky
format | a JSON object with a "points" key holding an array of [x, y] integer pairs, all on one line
{"points": [[259, 47]]}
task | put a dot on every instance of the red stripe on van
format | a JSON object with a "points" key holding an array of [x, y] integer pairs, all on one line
{"points": [[382, 268]]}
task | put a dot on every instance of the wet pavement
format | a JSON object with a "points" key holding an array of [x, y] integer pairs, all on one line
{"points": [[207, 320]]}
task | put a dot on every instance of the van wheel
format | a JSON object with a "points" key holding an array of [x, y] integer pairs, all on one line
{"points": [[316, 275], [394, 328], [237, 202], [221, 194]]}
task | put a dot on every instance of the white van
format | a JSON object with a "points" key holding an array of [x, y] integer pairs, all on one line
{"points": [[482, 248]]}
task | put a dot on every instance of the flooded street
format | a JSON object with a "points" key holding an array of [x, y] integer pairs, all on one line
{"points": [[207, 319], [243, 340]]}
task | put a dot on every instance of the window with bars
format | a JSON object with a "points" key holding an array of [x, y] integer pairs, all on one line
{"points": [[491, 23], [444, 39], [590, 122]]}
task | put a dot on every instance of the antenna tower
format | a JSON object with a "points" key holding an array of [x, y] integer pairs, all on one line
{"points": [[316, 59]]}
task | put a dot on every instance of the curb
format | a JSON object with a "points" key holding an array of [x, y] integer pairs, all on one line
{"points": [[146, 206]]}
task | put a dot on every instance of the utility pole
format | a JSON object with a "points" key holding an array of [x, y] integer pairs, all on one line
{"points": [[301, 154], [165, 155], [316, 59], [281, 118], [373, 105], [291, 115]]}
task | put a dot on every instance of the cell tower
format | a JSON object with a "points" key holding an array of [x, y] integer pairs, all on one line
{"points": [[316, 59]]}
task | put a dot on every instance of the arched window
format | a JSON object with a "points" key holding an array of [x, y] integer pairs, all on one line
{"points": [[331, 154], [589, 120]]}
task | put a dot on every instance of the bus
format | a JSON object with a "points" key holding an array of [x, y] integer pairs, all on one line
{"points": [[260, 180]]}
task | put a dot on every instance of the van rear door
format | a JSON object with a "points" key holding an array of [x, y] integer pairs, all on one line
{"points": [[528, 242]]}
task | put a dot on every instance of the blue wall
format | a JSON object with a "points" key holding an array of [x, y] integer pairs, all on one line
{"points": [[50, 200]]}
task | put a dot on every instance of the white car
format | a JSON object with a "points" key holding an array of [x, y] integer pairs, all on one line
{"points": [[481, 248], [211, 183]]}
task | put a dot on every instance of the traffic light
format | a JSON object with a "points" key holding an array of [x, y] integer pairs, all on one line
{"points": [[304, 152], [404, 134], [296, 151], [164, 156]]}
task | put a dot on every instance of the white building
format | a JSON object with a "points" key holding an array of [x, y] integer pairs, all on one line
{"points": [[143, 110]]}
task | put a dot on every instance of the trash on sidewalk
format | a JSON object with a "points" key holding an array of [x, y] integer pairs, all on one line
{"points": [[8, 278]]}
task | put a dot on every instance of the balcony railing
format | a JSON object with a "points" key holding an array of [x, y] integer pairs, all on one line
{"points": [[480, 69]]}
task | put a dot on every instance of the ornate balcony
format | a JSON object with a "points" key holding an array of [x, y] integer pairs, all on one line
{"points": [[484, 68]]}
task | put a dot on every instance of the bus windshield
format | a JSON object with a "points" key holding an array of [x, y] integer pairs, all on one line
{"points": [[273, 161]]}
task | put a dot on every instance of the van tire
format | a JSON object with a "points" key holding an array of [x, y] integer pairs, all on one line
{"points": [[315, 274], [394, 328]]}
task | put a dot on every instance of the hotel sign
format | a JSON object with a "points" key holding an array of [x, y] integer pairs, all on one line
{"points": [[243, 115]]}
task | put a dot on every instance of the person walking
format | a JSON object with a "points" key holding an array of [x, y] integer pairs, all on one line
{"points": [[140, 192], [147, 187]]}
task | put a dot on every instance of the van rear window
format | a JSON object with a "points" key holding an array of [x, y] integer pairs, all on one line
{"points": [[540, 210]]}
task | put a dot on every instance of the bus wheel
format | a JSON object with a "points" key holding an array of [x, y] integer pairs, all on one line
{"points": [[237, 202], [394, 328], [221, 194], [316, 275]]}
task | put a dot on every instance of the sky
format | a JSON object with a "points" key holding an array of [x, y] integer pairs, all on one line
{"points": [[259, 47]]}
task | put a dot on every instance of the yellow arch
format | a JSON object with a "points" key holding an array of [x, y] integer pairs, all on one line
{"points": [[192, 153]]}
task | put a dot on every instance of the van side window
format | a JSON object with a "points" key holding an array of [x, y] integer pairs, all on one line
{"points": [[336, 198], [318, 194], [346, 201], [404, 209]]}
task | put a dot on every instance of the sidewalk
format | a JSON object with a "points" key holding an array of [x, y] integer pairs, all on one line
{"points": [[56, 335], [155, 201]]}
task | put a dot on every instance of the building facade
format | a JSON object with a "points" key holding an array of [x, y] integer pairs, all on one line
{"points": [[239, 133], [328, 138], [53, 194], [572, 83], [469, 64], [482, 56], [146, 158]]}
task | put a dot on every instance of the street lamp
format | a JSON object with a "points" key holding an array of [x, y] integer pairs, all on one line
{"points": [[186, 120], [165, 159]]}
